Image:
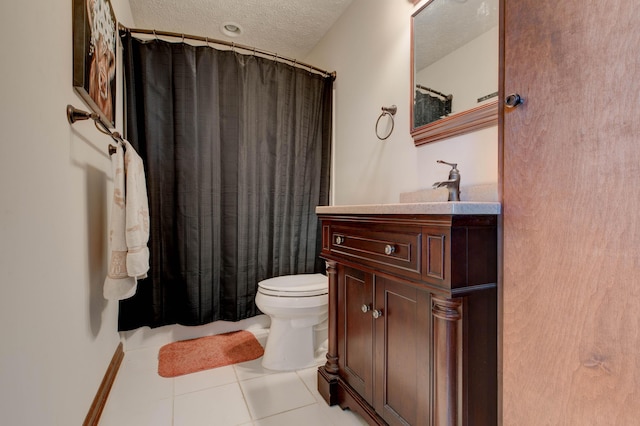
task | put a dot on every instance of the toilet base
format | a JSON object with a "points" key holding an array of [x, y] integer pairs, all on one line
{"points": [[289, 348]]}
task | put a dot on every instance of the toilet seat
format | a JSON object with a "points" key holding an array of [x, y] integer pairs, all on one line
{"points": [[303, 285]]}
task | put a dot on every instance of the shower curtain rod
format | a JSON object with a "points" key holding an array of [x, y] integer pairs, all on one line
{"points": [[250, 49], [74, 114], [419, 86]]}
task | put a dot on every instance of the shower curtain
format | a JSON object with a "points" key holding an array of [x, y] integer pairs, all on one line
{"points": [[237, 153], [428, 108]]}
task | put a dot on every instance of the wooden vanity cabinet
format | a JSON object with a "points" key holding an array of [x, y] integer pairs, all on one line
{"points": [[412, 318]]}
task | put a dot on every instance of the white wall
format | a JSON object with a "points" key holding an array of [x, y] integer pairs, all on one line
{"points": [[369, 47], [58, 334]]}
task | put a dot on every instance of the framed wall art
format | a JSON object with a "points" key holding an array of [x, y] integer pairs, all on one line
{"points": [[94, 56]]}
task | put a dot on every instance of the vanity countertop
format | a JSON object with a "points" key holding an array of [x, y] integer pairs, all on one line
{"points": [[447, 207]]}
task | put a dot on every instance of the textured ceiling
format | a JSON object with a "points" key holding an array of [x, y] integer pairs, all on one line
{"points": [[290, 28]]}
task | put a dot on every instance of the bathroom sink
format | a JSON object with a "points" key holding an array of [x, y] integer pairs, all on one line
{"points": [[475, 199], [434, 207], [481, 193]]}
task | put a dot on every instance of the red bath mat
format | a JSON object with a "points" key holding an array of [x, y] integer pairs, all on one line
{"points": [[190, 356]]}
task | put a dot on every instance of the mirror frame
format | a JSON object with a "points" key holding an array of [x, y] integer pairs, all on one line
{"points": [[456, 124]]}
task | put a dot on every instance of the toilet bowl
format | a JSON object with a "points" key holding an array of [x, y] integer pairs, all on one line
{"points": [[297, 306]]}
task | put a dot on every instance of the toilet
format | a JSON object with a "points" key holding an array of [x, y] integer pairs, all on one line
{"points": [[298, 308]]}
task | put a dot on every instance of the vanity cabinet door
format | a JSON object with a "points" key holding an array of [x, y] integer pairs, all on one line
{"points": [[402, 352], [355, 330]]}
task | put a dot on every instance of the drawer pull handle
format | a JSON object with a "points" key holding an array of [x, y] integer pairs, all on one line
{"points": [[377, 313], [365, 308], [339, 239], [389, 249]]}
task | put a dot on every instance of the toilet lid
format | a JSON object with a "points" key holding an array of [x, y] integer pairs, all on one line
{"points": [[300, 285]]}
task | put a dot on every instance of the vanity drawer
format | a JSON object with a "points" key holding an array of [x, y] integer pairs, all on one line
{"points": [[396, 251]]}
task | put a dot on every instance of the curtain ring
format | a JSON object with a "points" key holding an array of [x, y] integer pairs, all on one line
{"points": [[233, 47], [207, 41], [183, 37], [155, 35], [390, 111]]}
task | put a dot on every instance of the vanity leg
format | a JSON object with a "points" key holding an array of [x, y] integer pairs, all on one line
{"points": [[446, 352], [328, 373]]}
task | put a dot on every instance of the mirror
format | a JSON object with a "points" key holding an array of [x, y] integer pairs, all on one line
{"points": [[454, 68]]}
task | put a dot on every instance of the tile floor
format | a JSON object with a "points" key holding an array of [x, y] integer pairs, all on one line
{"points": [[243, 394]]}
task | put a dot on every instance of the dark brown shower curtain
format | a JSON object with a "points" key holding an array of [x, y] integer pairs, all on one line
{"points": [[237, 152]]}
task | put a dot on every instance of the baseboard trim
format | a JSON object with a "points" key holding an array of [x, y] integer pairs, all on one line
{"points": [[93, 416]]}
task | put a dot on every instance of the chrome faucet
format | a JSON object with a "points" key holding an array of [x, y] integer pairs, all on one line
{"points": [[452, 184]]}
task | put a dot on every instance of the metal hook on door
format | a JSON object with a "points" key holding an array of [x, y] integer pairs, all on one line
{"points": [[513, 100]]}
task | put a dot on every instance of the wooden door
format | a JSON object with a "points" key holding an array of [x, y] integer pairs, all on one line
{"points": [[571, 224], [402, 366], [355, 330]]}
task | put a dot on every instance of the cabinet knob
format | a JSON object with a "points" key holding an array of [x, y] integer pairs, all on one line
{"points": [[377, 313], [389, 249], [339, 239], [513, 100], [366, 308]]}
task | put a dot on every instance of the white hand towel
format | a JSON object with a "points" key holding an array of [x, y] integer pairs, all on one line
{"points": [[137, 214], [118, 284]]}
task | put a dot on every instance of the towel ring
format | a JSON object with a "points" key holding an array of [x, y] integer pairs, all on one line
{"points": [[390, 111]]}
